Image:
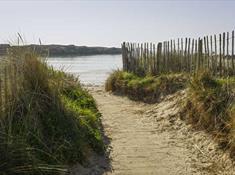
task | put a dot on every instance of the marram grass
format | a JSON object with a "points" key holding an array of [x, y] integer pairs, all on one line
{"points": [[148, 88], [210, 106], [48, 122]]}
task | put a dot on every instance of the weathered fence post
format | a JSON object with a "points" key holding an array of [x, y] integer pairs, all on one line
{"points": [[204, 60], [168, 56], [182, 55], [224, 35], [220, 54], [185, 54], [200, 43], [141, 57], [124, 56], [145, 58], [233, 53], [216, 56], [159, 56], [174, 56], [212, 55], [188, 56], [191, 66], [208, 52], [227, 55], [154, 60]]}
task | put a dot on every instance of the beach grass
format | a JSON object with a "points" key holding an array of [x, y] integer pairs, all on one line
{"points": [[210, 106], [48, 122], [148, 88]]}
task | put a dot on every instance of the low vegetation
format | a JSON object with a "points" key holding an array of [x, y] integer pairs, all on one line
{"points": [[148, 89], [210, 102], [48, 122], [211, 106]]}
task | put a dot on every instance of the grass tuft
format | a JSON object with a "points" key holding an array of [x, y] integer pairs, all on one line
{"points": [[211, 106], [48, 122], [148, 88]]}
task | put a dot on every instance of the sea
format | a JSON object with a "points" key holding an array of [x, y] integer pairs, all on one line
{"points": [[91, 70]]}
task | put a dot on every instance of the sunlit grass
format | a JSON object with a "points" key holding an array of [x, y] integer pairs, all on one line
{"points": [[210, 106], [48, 122], [148, 88]]}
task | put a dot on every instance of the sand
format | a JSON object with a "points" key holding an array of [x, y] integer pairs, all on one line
{"points": [[152, 139]]}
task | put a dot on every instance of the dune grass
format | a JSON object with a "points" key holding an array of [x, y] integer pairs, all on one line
{"points": [[48, 122], [148, 89], [211, 106], [210, 102]]}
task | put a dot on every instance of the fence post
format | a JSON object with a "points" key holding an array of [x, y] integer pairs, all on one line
{"points": [[168, 56], [204, 58], [220, 54], [216, 56], [192, 58], [188, 56], [200, 43], [182, 55], [154, 60], [159, 56], [212, 56], [141, 56], [174, 56], [224, 36], [171, 65], [162, 65], [208, 52], [131, 58], [178, 55], [151, 58], [195, 56], [185, 54], [227, 56], [145, 59], [233, 52], [124, 56]]}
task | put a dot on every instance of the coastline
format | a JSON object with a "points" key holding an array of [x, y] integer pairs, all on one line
{"points": [[56, 50]]}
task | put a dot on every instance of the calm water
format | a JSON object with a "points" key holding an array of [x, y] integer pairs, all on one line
{"points": [[90, 69]]}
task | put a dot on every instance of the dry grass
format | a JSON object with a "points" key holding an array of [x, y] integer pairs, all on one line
{"points": [[210, 106], [47, 121]]}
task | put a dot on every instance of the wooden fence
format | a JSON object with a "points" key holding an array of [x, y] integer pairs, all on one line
{"points": [[214, 53]]}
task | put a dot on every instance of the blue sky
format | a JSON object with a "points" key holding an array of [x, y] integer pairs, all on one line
{"points": [[109, 22]]}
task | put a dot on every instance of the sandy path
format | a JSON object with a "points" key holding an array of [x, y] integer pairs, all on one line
{"points": [[150, 139]]}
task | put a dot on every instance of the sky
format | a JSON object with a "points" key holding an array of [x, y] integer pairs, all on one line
{"points": [[110, 22]]}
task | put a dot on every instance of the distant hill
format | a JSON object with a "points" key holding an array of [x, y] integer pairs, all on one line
{"points": [[66, 50], [3, 48]]}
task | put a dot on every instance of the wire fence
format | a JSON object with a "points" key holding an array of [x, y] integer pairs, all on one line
{"points": [[214, 53]]}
